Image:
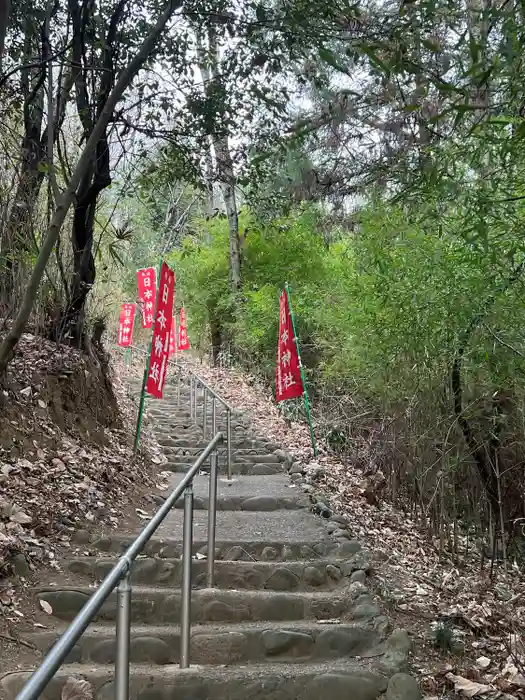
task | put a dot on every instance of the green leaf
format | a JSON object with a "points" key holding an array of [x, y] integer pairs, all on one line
{"points": [[260, 13], [328, 56]]}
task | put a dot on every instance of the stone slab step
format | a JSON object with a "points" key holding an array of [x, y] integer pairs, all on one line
{"points": [[323, 574], [178, 428], [256, 503], [182, 415], [212, 644], [171, 407], [162, 605], [286, 526], [338, 680], [183, 455], [199, 443], [238, 468], [250, 493], [177, 455], [278, 486], [183, 411], [241, 454], [173, 424], [236, 550]]}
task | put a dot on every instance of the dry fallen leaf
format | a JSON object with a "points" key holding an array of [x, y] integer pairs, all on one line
{"points": [[21, 518], [77, 688], [483, 662], [46, 607], [466, 687]]}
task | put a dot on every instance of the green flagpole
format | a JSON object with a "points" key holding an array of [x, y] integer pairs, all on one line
{"points": [[145, 375], [301, 368]]}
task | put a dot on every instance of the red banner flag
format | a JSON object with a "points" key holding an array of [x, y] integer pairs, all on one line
{"points": [[147, 292], [173, 336], [288, 382], [158, 361], [184, 341], [125, 330]]}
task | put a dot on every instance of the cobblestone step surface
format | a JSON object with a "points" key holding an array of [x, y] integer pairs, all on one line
{"points": [[161, 605], [231, 644], [338, 680], [253, 575], [291, 616], [257, 549]]}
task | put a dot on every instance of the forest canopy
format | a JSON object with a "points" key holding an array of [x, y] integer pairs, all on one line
{"points": [[368, 153]]}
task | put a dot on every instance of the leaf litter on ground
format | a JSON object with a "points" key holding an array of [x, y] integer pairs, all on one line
{"points": [[61, 471], [419, 585]]}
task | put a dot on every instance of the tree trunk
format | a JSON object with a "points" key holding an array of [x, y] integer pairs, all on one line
{"points": [[227, 184], [5, 7], [83, 278], [216, 333], [208, 65], [126, 76], [17, 239]]}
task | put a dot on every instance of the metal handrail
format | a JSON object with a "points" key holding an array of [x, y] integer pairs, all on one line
{"points": [[195, 381], [208, 388], [120, 576]]}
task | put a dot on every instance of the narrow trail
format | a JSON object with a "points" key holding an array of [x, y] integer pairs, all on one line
{"points": [[291, 615]]}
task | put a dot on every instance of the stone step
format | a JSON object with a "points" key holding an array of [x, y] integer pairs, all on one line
{"points": [[235, 549], [255, 503], [230, 644], [199, 443], [324, 574], [337, 679], [162, 605], [171, 423], [170, 397], [196, 435], [169, 405], [173, 410], [248, 493], [182, 454], [175, 429], [183, 416], [237, 468]]}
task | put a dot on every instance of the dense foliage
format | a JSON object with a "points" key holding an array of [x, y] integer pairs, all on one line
{"points": [[384, 311], [368, 153]]}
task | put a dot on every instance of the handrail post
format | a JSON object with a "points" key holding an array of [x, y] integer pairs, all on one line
{"points": [[213, 423], [204, 411], [212, 519], [229, 443], [54, 659], [179, 379], [195, 398], [191, 397], [185, 611], [123, 638]]}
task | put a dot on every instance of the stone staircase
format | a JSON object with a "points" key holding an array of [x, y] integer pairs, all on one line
{"points": [[290, 617]]}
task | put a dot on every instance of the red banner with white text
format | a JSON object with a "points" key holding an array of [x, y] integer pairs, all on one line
{"points": [[147, 292], [125, 330], [158, 361], [288, 382], [173, 336], [184, 341]]}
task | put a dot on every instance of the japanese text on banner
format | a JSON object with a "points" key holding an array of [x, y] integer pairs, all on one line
{"points": [[184, 341], [158, 361], [288, 381], [125, 330], [173, 336], [146, 284]]}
